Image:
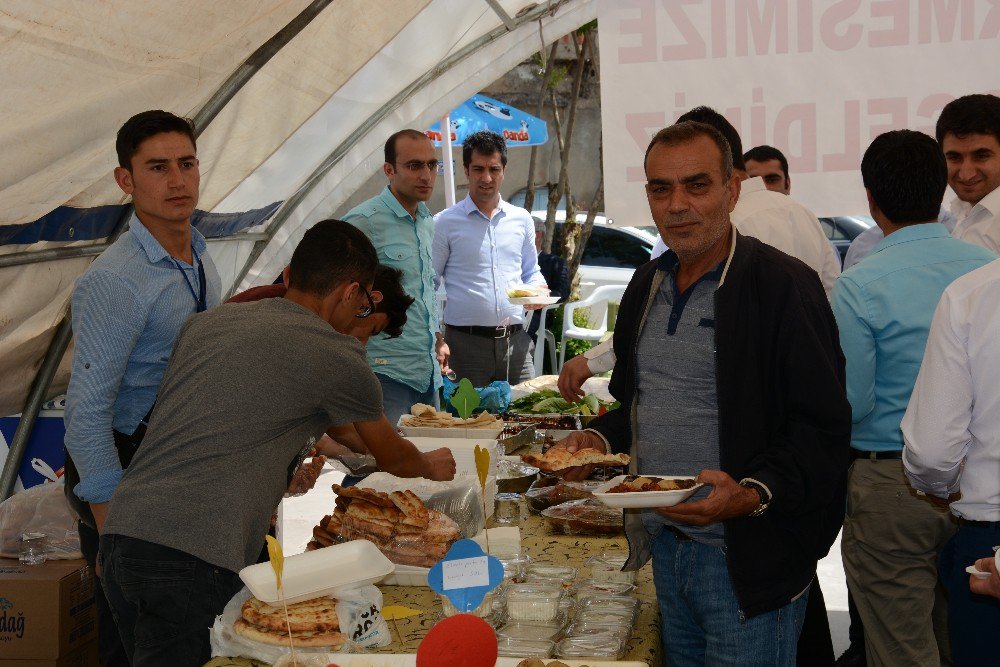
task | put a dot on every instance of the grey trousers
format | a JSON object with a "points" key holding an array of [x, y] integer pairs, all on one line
{"points": [[484, 360], [892, 538]]}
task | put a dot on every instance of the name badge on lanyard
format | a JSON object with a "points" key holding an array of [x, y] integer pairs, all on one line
{"points": [[200, 300]]}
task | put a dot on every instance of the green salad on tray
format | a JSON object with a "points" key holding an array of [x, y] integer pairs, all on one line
{"points": [[548, 401]]}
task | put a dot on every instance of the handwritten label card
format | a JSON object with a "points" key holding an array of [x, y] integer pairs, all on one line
{"points": [[465, 573]]}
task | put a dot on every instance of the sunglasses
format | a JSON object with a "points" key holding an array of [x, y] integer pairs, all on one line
{"points": [[370, 308]]}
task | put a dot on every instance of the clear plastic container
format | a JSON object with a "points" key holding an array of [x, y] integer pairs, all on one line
{"points": [[533, 603], [519, 647], [482, 611], [605, 617], [514, 567], [611, 603], [621, 632], [595, 587], [608, 567], [535, 630], [591, 646], [563, 573]]}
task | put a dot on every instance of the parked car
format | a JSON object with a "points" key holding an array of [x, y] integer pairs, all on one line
{"points": [[843, 229]]}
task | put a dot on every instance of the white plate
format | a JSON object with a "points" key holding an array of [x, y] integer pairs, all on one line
{"points": [[320, 572], [643, 499], [490, 433], [533, 300]]}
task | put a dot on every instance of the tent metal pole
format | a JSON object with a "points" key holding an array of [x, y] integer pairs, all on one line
{"points": [[64, 334], [537, 13], [504, 16]]}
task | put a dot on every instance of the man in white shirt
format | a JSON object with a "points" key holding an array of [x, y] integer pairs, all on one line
{"points": [[952, 434], [969, 133], [771, 165]]}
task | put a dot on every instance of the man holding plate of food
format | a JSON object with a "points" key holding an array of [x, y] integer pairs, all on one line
{"points": [[728, 371]]}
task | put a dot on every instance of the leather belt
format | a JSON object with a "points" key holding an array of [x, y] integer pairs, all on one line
{"points": [[489, 332], [875, 456], [979, 524]]}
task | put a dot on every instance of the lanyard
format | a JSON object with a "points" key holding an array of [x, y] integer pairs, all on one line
{"points": [[199, 298]]}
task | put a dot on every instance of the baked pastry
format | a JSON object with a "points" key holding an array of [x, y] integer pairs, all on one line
{"points": [[313, 623], [560, 459]]}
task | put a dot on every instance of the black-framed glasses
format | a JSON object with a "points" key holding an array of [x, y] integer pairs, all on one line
{"points": [[370, 308], [417, 166]]}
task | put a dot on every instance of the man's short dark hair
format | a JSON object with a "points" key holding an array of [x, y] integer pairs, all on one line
{"points": [[390, 143], [906, 174], [710, 116], [682, 132], [766, 153], [484, 142], [971, 114], [331, 253], [144, 125], [395, 301]]}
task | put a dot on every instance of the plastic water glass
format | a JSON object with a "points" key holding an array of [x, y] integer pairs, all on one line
{"points": [[509, 509], [33, 548]]}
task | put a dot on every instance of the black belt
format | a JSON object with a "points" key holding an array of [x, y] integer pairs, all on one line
{"points": [[875, 456], [979, 524], [490, 332]]}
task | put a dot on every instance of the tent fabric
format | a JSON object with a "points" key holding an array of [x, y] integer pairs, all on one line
{"points": [[305, 131]]}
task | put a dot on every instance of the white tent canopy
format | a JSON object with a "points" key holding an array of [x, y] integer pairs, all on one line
{"points": [[318, 87]]}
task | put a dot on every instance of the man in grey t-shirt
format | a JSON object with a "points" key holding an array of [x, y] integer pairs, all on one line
{"points": [[247, 392]]}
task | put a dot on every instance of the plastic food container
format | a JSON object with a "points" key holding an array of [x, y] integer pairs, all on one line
{"points": [[608, 603], [515, 566], [482, 611], [533, 603], [596, 588], [517, 647], [584, 517], [591, 646], [608, 567], [549, 571], [622, 632], [531, 630]]}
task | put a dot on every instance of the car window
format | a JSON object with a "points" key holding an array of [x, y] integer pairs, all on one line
{"points": [[614, 248], [828, 227], [839, 233]]}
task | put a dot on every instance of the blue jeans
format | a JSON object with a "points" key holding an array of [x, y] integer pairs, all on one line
{"points": [[972, 619], [163, 600], [701, 621], [398, 398]]}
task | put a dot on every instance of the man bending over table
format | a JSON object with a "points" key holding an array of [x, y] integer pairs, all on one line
{"points": [[229, 421]]}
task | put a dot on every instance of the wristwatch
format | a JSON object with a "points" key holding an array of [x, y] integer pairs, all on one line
{"points": [[762, 491]]}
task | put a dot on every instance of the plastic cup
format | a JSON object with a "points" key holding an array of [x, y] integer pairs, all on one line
{"points": [[508, 509], [33, 548]]}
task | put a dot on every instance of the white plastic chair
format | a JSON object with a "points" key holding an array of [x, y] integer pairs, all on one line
{"points": [[545, 338], [601, 295]]}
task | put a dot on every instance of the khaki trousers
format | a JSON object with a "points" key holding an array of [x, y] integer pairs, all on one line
{"points": [[892, 538]]}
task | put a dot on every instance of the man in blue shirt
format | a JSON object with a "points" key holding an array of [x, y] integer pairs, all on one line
{"points": [[127, 311], [401, 228], [482, 247], [884, 305]]}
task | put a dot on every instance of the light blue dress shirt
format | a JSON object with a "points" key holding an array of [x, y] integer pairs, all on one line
{"points": [[127, 311], [884, 305], [479, 258], [404, 243]]}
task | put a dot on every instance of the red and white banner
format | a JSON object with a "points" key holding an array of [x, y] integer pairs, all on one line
{"points": [[816, 79]]}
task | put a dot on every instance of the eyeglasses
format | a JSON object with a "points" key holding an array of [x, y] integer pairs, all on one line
{"points": [[370, 308], [417, 166]]}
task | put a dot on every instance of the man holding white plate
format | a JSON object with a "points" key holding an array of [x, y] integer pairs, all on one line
{"points": [[728, 368]]}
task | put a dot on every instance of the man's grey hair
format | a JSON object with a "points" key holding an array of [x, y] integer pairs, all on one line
{"points": [[539, 224], [689, 130]]}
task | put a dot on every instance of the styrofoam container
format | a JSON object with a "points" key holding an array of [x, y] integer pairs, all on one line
{"points": [[410, 432], [464, 451], [314, 573], [407, 575]]}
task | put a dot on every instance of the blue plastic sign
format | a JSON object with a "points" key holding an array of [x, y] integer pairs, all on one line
{"points": [[466, 575]]}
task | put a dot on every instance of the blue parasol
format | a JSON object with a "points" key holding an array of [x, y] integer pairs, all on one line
{"points": [[484, 113]]}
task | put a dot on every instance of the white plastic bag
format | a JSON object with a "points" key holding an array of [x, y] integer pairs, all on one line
{"points": [[40, 509], [359, 610]]}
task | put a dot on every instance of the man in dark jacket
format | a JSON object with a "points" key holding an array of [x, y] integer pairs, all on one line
{"points": [[729, 369]]}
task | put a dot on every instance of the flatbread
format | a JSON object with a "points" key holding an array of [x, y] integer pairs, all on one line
{"points": [[331, 639], [367, 495], [560, 459], [414, 511], [312, 616], [425, 416]]}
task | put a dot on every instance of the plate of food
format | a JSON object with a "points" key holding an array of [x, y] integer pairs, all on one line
{"points": [[560, 459], [530, 295], [646, 491]]}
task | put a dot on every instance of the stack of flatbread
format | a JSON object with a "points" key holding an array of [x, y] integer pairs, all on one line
{"points": [[398, 523], [422, 415], [313, 623], [559, 459]]}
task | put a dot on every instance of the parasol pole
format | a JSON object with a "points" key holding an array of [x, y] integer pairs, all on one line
{"points": [[449, 171]]}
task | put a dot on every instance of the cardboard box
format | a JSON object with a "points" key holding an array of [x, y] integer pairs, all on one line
{"points": [[46, 611], [85, 656]]}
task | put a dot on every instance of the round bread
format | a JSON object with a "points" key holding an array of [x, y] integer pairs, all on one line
{"points": [[316, 615], [331, 639]]}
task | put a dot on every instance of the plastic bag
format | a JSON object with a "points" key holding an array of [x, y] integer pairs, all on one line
{"points": [[494, 398], [460, 498], [359, 610], [40, 509]]}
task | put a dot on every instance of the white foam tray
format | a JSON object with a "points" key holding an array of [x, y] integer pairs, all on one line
{"points": [[320, 572], [448, 431]]}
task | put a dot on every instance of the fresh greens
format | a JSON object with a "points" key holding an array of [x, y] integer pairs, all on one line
{"points": [[548, 401]]}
